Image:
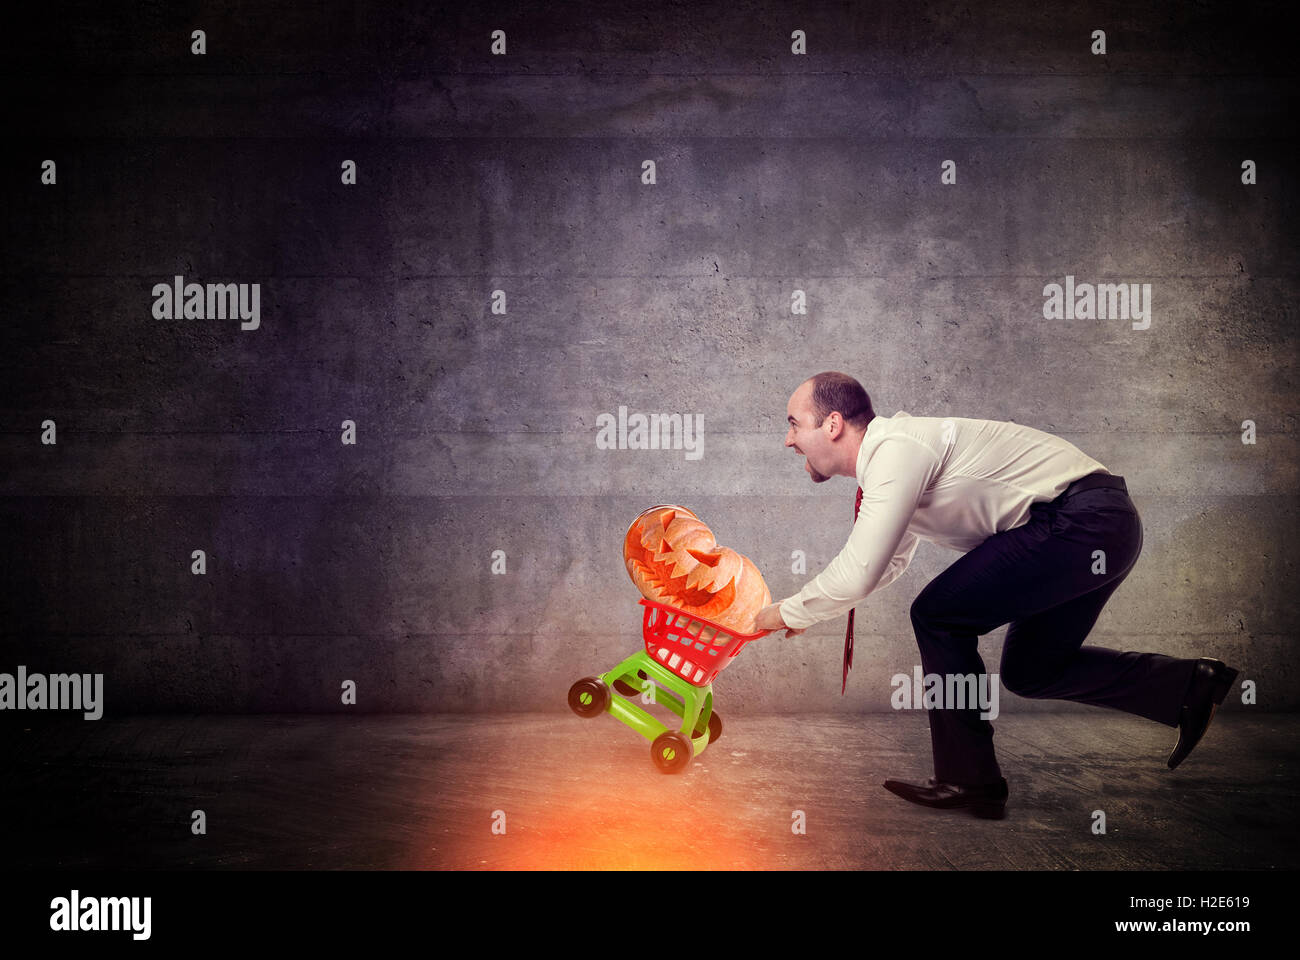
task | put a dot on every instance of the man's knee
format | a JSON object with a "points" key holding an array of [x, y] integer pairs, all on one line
{"points": [[925, 611], [935, 622], [1022, 679]]}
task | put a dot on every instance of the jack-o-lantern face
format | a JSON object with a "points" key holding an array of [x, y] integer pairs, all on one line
{"points": [[672, 558]]}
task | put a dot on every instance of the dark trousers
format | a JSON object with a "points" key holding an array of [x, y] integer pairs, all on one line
{"points": [[1039, 577]]}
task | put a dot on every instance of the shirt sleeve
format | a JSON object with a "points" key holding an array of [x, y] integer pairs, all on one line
{"points": [[880, 546]]}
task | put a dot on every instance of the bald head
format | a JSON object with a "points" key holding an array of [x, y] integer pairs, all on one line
{"points": [[827, 416]]}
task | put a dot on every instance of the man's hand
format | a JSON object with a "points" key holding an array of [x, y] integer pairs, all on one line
{"points": [[769, 618]]}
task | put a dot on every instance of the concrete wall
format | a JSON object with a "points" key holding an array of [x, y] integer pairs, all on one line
{"points": [[476, 431]]}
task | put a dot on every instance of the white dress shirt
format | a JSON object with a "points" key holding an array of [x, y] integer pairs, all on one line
{"points": [[953, 481]]}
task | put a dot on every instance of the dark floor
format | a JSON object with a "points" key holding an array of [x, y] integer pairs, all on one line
{"points": [[412, 792]]}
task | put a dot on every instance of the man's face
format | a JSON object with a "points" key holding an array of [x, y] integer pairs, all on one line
{"points": [[807, 440]]}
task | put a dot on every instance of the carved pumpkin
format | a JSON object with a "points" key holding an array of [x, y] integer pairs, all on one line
{"points": [[672, 558]]}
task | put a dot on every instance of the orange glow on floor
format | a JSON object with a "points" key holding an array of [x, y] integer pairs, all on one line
{"points": [[614, 812]]}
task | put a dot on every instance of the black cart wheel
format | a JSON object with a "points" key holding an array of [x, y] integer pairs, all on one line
{"points": [[589, 697], [715, 726], [671, 752], [625, 688]]}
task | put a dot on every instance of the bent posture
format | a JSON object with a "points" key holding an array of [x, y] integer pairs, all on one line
{"points": [[1047, 534]]}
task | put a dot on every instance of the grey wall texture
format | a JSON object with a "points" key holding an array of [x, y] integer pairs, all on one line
{"points": [[775, 172]]}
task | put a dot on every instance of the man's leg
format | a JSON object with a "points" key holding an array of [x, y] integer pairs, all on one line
{"points": [[1044, 657], [1014, 575]]}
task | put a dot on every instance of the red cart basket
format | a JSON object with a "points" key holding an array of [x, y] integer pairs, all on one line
{"points": [[690, 646]]}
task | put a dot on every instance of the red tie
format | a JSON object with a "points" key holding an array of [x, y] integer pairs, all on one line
{"points": [[848, 634]]}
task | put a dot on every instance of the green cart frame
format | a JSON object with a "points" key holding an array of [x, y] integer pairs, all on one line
{"points": [[673, 672]]}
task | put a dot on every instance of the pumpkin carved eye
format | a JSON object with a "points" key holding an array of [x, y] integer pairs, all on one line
{"points": [[708, 559], [672, 557]]}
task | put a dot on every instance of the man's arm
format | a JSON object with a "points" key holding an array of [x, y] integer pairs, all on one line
{"points": [[879, 549], [901, 560]]}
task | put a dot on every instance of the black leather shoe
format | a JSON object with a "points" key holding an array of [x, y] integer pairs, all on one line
{"points": [[1210, 683], [986, 800]]}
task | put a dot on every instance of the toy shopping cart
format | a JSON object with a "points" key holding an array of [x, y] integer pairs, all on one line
{"points": [[682, 655]]}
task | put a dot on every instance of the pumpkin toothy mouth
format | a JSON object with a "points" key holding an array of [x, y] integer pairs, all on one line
{"points": [[674, 559], [658, 576]]}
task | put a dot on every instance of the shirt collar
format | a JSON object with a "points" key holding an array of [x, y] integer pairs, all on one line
{"points": [[869, 440]]}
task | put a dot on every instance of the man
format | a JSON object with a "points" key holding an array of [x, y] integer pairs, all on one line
{"points": [[1047, 534]]}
